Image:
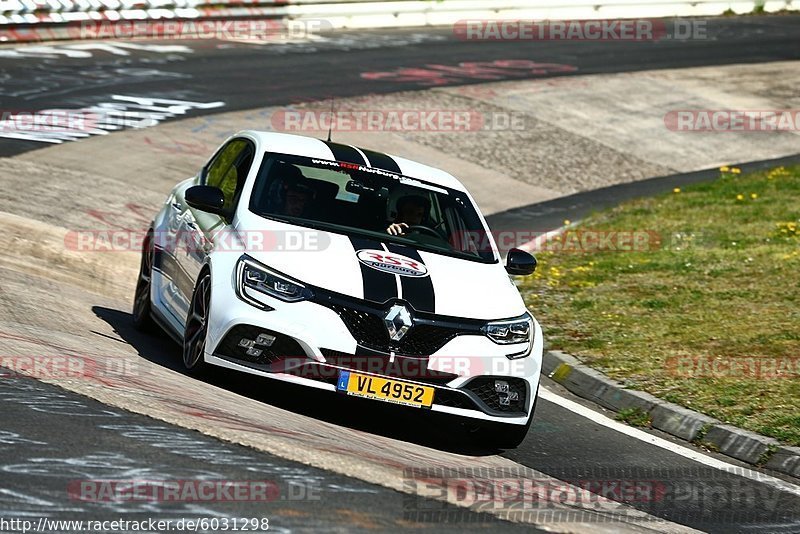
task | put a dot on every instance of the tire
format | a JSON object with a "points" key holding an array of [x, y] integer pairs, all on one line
{"points": [[142, 307], [196, 331], [501, 435]]}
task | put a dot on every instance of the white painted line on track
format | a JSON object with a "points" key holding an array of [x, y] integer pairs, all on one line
{"points": [[675, 448]]}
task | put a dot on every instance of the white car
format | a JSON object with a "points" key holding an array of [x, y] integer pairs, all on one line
{"points": [[348, 270]]}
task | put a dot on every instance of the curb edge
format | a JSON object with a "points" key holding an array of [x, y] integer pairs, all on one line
{"points": [[683, 423]]}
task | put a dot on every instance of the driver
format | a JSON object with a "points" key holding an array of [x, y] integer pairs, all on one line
{"points": [[411, 210], [295, 196], [295, 200]]}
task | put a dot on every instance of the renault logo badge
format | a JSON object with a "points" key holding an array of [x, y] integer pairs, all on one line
{"points": [[398, 322]]}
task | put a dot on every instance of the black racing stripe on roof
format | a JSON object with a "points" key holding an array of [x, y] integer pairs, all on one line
{"points": [[381, 161], [346, 153]]}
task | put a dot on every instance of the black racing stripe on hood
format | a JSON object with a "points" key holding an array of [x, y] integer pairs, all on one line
{"points": [[416, 291], [346, 153], [378, 286], [381, 161]]}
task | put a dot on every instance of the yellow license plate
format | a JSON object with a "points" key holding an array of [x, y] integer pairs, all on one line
{"points": [[374, 387]]}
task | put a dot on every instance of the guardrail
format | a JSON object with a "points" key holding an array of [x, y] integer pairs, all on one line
{"points": [[34, 20]]}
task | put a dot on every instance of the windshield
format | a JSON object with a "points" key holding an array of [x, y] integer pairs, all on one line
{"points": [[349, 198]]}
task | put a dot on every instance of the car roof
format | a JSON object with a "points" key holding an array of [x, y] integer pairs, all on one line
{"points": [[300, 145]]}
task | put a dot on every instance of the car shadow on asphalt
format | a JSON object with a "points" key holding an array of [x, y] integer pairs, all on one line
{"points": [[422, 427]]}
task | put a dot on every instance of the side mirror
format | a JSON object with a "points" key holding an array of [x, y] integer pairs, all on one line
{"points": [[520, 262], [206, 198]]}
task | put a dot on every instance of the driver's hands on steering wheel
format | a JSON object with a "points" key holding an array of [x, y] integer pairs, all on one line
{"points": [[397, 229], [404, 228]]}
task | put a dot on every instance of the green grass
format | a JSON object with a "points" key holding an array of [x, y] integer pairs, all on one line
{"points": [[720, 282], [634, 417]]}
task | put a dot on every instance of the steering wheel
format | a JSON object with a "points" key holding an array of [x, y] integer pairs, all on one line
{"points": [[424, 230]]}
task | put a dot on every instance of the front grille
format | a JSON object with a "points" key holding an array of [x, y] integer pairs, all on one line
{"points": [[283, 348], [484, 388], [369, 330], [414, 369], [426, 339]]}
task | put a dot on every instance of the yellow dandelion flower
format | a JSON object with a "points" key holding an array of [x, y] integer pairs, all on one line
{"points": [[777, 172], [724, 169], [566, 222], [736, 170], [740, 197], [676, 190], [753, 196]]}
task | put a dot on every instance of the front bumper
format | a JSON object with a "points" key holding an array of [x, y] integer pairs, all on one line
{"points": [[313, 343]]}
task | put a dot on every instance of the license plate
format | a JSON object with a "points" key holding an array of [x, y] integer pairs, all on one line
{"points": [[385, 389]]}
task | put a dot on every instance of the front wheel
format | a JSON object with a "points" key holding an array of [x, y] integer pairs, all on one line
{"points": [[194, 335], [142, 308]]}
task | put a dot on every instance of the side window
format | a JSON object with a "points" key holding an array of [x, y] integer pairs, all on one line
{"points": [[242, 165], [229, 169]]}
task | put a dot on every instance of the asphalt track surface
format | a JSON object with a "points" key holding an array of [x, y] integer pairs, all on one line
{"points": [[561, 443], [53, 441], [247, 76]]}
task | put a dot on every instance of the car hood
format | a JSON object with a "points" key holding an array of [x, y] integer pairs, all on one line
{"points": [[380, 271]]}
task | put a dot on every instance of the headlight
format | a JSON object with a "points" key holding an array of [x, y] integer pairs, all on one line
{"points": [[519, 330], [252, 276]]}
